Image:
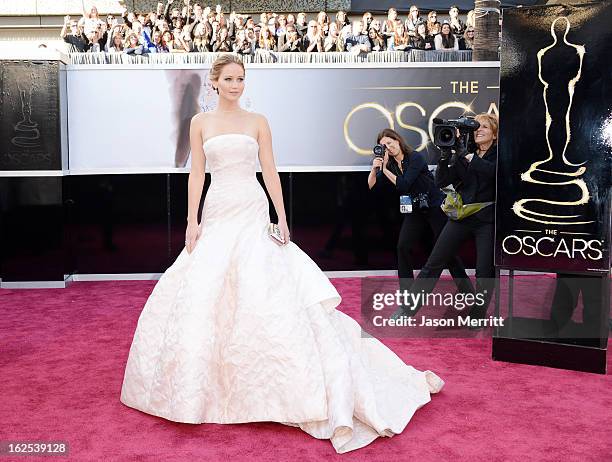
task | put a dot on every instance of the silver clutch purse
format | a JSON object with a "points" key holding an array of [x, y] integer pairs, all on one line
{"points": [[275, 233]]}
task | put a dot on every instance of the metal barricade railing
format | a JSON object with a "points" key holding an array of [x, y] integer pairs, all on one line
{"points": [[262, 56]]}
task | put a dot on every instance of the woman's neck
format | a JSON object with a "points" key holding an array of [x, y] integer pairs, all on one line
{"points": [[482, 148], [228, 106]]}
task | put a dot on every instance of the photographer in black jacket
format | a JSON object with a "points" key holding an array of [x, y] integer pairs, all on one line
{"points": [[473, 176], [408, 173]]}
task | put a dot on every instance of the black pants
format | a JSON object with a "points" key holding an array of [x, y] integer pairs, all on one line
{"points": [[447, 246], [422, 229]]}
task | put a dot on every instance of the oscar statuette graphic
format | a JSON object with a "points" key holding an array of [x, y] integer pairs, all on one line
{"points": [[30, 115], [553, 168], [27, 134], [557, 169], [553, 186]]}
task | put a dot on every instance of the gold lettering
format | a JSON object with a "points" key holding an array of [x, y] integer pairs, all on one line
{"points": [[468, 86], [398, 115], [378, 107]]}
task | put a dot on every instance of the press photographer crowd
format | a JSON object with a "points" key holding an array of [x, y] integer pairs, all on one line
{"points": [[191, 27], [468, 148]]}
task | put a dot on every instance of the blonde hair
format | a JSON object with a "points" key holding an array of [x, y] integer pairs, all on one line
{"points": [[127, 43], [222, 61], [491, 119], [266, 42]]}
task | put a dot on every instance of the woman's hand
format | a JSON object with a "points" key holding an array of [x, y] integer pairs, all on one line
{"points": [[284, 229], [377, 163], [385, 160], [191, 235]]}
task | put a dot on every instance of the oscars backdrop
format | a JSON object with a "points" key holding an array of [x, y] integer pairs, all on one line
{"points": [[30, 115], [321, 118], [555, 139]]}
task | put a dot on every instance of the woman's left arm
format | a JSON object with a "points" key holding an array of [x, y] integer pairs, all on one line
{"points": [[415, 168], [270, 174]]}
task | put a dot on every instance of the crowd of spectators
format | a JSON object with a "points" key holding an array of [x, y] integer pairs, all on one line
{"points": [[193, 28]]}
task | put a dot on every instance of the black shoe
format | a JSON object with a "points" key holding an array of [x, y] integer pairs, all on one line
{"points": [[477, 313], [399, 313], [476, 327], [402, 310]]}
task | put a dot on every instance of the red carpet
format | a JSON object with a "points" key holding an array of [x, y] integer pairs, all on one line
{"points": [[63, 353]]}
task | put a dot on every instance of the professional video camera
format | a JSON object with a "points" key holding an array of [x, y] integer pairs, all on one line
{"points": [[449, 142]]}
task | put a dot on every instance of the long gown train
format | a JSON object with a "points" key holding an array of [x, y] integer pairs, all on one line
{"points": [[245, 330]]}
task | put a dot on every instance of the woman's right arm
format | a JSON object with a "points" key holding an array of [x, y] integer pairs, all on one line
{"points": [[64, 30], [124, 15], [375, 172], [167, 12], [196, 181]]}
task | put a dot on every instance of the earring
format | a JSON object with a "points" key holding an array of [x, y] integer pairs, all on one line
{"points": [[217, 90]]}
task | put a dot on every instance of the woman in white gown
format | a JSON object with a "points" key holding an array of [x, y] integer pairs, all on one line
{"points": [[241, 328]]}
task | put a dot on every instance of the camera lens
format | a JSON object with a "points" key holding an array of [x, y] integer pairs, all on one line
{"points": [[446, 135], [379, 150]]}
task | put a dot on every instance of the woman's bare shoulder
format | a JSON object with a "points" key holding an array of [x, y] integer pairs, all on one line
{"points": [[199, 118], [258, 119]]}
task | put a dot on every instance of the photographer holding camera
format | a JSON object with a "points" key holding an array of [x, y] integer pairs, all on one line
{"points": [[397, 164], [468, 161]]}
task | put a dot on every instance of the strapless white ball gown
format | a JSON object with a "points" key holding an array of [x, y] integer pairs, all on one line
{"points": [[245, 330]]}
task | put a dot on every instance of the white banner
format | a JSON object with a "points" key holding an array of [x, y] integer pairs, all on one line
{"points": [[136, 119]]}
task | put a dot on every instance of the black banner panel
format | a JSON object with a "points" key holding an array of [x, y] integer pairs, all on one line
{"points": [[33, 243], [29, 115], [555, 139]]}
